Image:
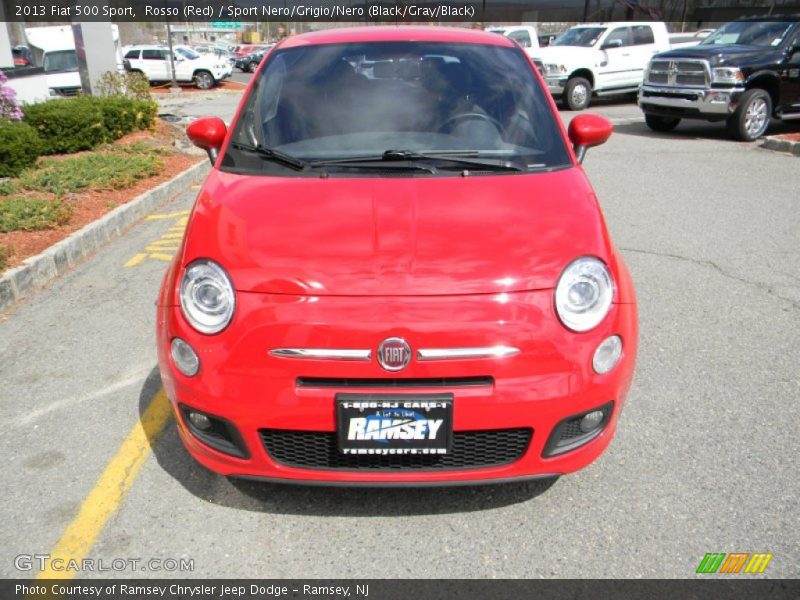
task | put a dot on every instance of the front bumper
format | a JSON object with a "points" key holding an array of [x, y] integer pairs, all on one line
{"points": [[709, 104], [556, 83], [549, 380]]}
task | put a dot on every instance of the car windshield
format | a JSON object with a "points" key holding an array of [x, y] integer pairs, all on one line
{"points": [[391, 99], [579, 36], [750, 33], [187, 53], [63, 60]]}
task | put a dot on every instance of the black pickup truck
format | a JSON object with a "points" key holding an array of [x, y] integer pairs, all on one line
{"points": [[744, 73]]}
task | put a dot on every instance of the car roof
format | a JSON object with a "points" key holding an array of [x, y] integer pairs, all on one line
{"points": [[394, 33], [771, 18]]}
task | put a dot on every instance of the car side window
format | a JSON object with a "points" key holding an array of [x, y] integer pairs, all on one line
{"points": [[522, 37], [620, 33], [643, 34], [152, 55], [132, 54]]}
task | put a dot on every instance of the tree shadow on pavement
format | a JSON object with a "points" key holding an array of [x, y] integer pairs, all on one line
{"points": [[281, 498]]}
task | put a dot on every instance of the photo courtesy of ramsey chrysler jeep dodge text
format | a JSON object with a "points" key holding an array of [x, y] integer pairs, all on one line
{"points": [[397, 272]]}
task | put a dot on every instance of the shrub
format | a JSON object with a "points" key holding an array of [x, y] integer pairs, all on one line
{"points": [[123, 115], [97, 171], [9, 108], [20, 146], [132, 85], [32, 214], [67, 125], [5, 254]]}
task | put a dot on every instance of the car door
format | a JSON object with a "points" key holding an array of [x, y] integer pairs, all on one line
{"points": [[790, 76], [642, 49], [616, 66], [155, 65]]}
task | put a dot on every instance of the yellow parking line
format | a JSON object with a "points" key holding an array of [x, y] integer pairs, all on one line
{"points": [[158, 256], [136, 260], [109, 491], [161, 249], [167, 215]]}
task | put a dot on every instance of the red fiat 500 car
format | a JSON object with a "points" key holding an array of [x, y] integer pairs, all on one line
{"points": [[397, 272]]}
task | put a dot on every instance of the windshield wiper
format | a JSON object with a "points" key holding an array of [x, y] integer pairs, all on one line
{"points": [[463, 158], [467, 158], [277, 156], [375, 162]]}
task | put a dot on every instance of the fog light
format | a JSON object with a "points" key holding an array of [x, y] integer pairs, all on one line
{"points": [[591, 421], [200, 421], [185, 358], [607, 354]]}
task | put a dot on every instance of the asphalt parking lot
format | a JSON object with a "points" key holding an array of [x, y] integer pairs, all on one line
{"points": [[705, 459]]}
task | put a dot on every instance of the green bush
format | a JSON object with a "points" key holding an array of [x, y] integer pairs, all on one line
{"points": [[97, 171], [20, 146], [32, 214], [123, 115], [68, 125]]}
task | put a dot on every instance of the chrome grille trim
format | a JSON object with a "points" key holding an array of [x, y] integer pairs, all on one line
{"points": [[691, 73], [323, 353], [428, 354]]}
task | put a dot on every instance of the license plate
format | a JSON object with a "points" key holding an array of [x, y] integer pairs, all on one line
{"points": [[393, 424]]}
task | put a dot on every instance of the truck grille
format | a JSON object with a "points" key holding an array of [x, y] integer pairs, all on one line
{"points": [[471, 450], [678, 73]]}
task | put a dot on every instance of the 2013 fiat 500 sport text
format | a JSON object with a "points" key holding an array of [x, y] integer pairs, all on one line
{"points": [[397, 272]]}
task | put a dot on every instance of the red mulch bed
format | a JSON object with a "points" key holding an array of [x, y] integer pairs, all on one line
{"points": [[91, 205], [225, 85], [789, 137]]}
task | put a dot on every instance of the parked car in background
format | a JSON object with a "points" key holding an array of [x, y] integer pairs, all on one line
{"points": [[249, 62], [154, 62], [244, 49], [525, 35], [22, 56], [744, 73], [600, 59], [397, 279], [545, 39]]}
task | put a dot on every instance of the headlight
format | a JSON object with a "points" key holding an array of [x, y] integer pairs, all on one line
{"points": [[584, 293], [207, 296], [729, 75], [551, 69]]}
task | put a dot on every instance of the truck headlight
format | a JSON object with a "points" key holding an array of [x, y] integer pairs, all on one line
{"points": [[207, 296], [730, 75], [584, 293], [553, 69]]}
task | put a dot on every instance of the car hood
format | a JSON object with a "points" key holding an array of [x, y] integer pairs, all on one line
{"points": [[395, 236], [732, 54]]}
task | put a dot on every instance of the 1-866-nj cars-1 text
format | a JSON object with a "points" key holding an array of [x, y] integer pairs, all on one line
{"points": [[397, 272]]}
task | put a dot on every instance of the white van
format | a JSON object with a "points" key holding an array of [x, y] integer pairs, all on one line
{"points": [[599, 59]]}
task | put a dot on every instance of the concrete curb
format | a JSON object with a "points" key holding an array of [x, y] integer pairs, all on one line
{"points": [[775, 143], [37, 271]]}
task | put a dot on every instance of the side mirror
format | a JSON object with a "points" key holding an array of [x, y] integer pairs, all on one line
{"points": [[208, 133], [588, 130], [611, 44]]}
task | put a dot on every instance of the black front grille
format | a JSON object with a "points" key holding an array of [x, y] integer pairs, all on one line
{"points": [[471, 450], [386, 382]]}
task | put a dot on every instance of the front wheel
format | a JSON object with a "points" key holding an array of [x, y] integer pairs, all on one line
{"points": [[751, 118], [577, 93], [662, 124], [204, 80], [252, 67]]}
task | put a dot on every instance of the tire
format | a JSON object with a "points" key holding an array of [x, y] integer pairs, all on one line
{"points": [[204, 80], [577, 93], [251, 68], [751, 118], [662, 124]]}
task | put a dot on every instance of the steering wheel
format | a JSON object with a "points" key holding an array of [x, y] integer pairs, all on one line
{"points": [[449, 123]]}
